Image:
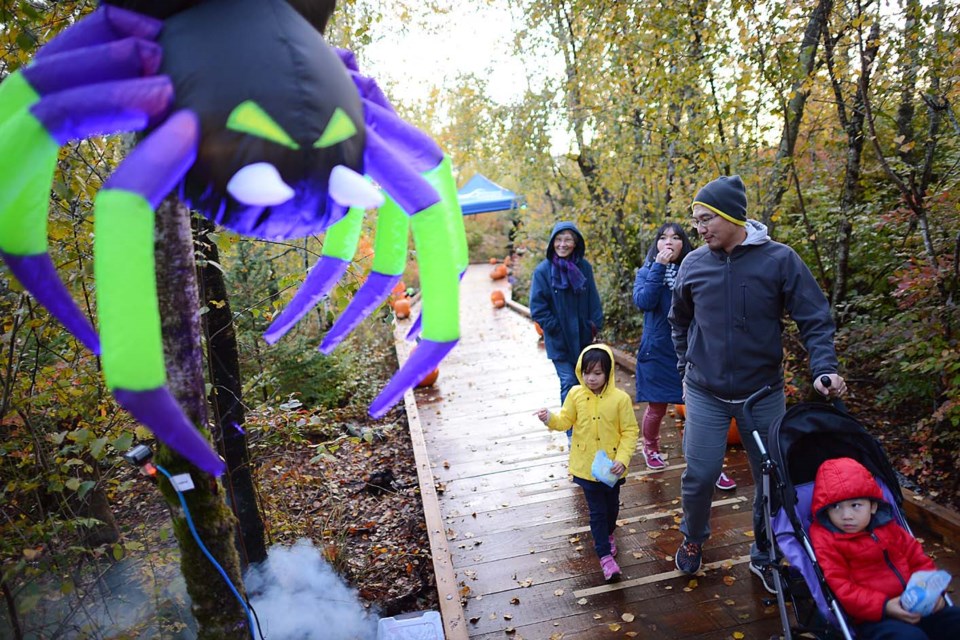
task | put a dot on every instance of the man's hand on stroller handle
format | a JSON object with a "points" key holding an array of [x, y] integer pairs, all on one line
{"points": [[830, 385]]}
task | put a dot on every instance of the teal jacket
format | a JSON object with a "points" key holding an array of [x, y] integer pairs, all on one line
{"points": [[569, 319]]}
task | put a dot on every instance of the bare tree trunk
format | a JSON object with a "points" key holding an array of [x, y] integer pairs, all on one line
{"points": [[217, 611], [227, 400], [853, 126], [793, 112]]}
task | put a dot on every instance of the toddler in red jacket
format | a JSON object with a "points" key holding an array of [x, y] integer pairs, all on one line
{"points": [[868, 558]]}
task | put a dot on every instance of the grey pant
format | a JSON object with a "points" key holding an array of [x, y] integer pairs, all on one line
{"points": [[704, 446]]}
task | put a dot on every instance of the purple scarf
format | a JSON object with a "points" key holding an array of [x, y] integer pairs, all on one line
{"points": [[566, 274]]}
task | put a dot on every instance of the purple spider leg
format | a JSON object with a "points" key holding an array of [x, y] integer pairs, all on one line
{"points": [[320, 280], [104, 25], [370, 296], [133, 360], [117, 60], [439, 281]]}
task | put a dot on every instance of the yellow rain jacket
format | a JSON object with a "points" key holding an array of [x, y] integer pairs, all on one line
{"points": [[602, 420]]}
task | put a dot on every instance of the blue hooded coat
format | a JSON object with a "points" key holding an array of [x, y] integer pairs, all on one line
{"points": [[569, 319], [657, 377]]}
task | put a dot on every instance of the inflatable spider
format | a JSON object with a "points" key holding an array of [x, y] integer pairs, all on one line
{"points": [[254, 121]]}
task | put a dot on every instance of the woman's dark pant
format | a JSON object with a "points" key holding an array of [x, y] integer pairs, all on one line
{"points": [[942, 625], [604, 505]]}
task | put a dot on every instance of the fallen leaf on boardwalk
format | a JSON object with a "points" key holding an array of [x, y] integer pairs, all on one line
{"points": [[544, 560], [729, 603], [509, 631], [735, 507], [464, 591], [668, 558], [526, 583], [653, 534], [507, 616], [727, 565], [744, 616], [582, 601], [637, 554], [614, 626], [574, 540], [738, 635], [631, 634], [552, 570], [557, 635], [514, 600], [627, 617], [729, 580], [493, 616], [749, 534], [475, 620], [632, 530], [470, 573], [693, 584], [578, 548], [669, 587], [558, 592], [597, 616], [451, 534], [446, 464]]}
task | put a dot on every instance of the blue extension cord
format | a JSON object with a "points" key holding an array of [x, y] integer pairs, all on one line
{"points": [[196, 536]]}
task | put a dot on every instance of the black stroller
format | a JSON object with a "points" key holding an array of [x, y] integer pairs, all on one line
{"points": [[806, 436]]}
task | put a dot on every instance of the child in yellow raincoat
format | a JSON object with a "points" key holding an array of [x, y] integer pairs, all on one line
{"points": [[602, 418]]}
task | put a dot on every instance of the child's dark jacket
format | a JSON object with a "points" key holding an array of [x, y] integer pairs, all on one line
{"points": [[863, 569]]}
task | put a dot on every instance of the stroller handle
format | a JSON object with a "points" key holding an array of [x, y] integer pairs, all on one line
{"points": [[836, 402]]}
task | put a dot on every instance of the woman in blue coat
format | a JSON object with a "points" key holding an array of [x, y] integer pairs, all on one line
{"points": [[658, 382], [565, 303]]}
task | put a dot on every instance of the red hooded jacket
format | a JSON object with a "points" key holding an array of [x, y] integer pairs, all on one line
{"points": [[863, 569]]}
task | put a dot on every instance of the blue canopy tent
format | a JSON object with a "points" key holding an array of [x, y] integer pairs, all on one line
{"points": [[480, 195]]}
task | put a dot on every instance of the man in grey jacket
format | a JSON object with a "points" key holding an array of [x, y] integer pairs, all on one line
{"points": [[726, 322]]}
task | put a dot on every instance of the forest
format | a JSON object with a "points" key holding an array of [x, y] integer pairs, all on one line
{"points": [[839, 115]]}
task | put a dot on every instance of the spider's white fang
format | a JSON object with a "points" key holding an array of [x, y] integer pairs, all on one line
{"points": [[260, 185], [350, 189]]}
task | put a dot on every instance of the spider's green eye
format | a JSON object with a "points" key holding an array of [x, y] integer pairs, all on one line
{"points": [[249, 117], [338, 129]]}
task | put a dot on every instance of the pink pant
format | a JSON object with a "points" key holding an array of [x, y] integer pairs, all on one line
{"points": [[651, 425]]}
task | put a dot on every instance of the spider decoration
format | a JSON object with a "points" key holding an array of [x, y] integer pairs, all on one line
{"points": [[263, 128]]}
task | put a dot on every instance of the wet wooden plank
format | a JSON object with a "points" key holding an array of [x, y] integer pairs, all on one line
{"points": [[515, 529]]}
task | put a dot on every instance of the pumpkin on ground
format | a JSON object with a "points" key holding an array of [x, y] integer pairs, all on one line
{"points": [[733, 434], [499, 272], [430, 378], [493, 260], [402, 308], [497, 298]]}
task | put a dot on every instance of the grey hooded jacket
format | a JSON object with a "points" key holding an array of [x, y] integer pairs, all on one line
{"points": [[727, 315]]}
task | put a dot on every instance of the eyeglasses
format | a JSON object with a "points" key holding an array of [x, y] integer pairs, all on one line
{"points": [[702, 221]]}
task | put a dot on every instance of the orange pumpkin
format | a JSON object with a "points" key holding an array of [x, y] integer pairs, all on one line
{"points": [[733, 435], [493, 260], [497, 298], [499, 272], [402, 308], [536, 325], [430, 378]]}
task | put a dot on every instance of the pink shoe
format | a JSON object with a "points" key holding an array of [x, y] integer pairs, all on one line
{"points": [[726, 483], [610, 568], [613, 545], [654, 460]]}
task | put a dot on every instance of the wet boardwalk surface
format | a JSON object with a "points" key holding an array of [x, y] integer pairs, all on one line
{"points": [[515, 548]]}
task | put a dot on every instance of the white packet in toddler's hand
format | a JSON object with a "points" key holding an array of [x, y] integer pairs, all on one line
{"points": [[923, 590], [601, 469]]}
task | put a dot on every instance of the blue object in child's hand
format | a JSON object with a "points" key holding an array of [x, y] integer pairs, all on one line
{"points": [[601, 469], [923, 591]]}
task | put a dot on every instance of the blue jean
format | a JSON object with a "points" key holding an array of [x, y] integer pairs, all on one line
{"points": [[604, 505], [942, 625], [704, 446], [568, 379]]}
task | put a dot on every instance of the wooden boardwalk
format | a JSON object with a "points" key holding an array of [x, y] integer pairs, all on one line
{"points": [[512, 550]]}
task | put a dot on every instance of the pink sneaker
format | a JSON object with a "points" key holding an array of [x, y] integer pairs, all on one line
{"points": [[654, 460], [613, 545], [610, 568], [726, 483]]}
